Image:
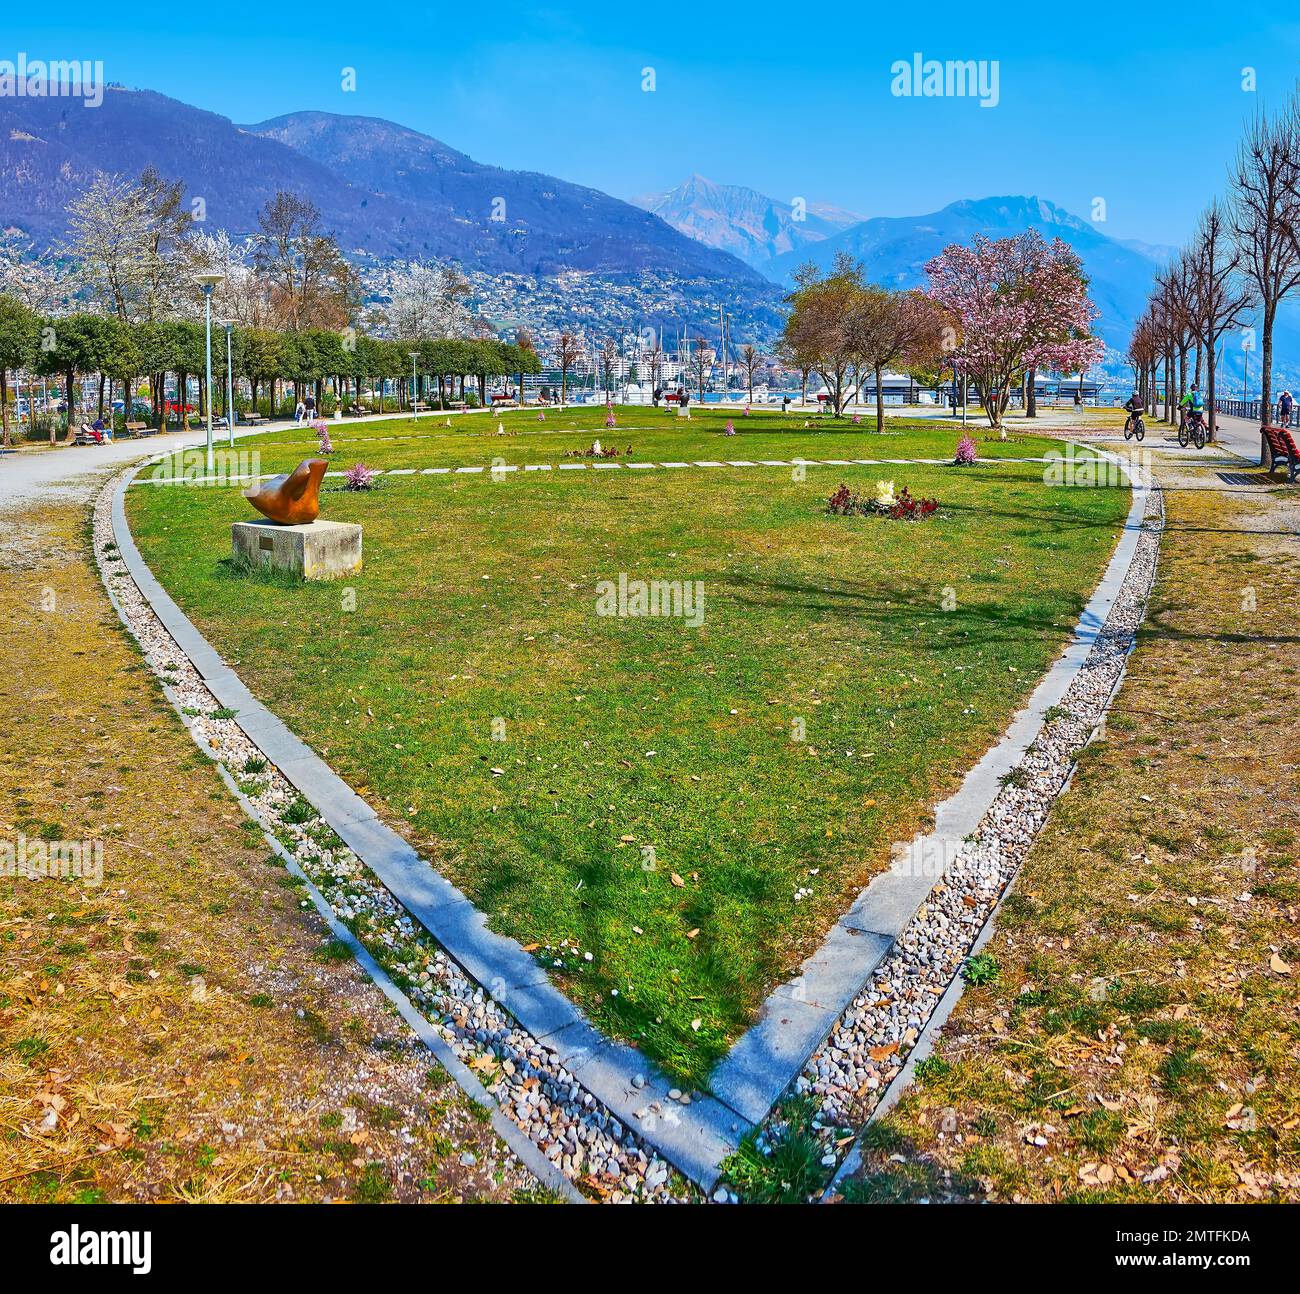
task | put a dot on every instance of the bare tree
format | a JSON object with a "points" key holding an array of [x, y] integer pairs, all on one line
{"points": [[887, 327], [817, 329], [608, 364], [311, 283], [750, 360], [1265, 218], [652, 357], [168, 262], [1220, 295], [1177, 288], [701, 364], [568, 350]]}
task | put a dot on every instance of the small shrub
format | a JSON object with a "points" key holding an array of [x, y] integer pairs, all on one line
{"points": [[298, 812], [359, 477], [980, 969], [966, 452]]}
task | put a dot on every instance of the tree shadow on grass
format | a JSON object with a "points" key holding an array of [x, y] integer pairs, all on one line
{"points": [[915, 606]]}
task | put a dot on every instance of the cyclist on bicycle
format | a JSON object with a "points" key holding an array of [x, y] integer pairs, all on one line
{"points": [[1193, 401], [1133, 406]]}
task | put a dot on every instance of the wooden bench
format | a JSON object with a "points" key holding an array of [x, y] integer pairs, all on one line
{"points": [[137, 428], [1281, 448]]}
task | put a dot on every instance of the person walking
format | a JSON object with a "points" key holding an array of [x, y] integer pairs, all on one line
{"points": [[299, 410], [1285, 408]]}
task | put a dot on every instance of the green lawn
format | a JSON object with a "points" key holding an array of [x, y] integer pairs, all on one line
{"points": [[476, 618]]}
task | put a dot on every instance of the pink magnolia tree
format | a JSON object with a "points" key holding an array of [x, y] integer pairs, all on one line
{"points": [[1019, 304]]}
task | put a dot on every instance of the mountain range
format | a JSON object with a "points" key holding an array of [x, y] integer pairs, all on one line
{"points": [[743, 221], [382, 189], [894, 249]]}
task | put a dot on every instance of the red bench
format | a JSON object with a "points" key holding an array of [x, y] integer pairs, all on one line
{"points": [[1281, 448]]}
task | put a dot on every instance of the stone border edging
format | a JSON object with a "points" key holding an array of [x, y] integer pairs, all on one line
{"points": [[794, 1020]]}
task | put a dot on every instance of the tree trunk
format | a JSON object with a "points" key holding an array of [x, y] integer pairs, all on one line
{"points": [[1031, 394], [72, 407], [880, 402], [1266, 377], [1209, 391], [4, 403]]}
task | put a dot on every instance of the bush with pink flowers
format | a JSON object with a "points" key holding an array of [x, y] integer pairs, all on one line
{"points": [[966, 452], [359, 477]]}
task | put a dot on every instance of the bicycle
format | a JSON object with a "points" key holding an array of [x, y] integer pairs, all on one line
{"points": [[1192, 429], [1134, 426]]}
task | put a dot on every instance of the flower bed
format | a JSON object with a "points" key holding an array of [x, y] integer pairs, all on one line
{"points": [[900, 506]]}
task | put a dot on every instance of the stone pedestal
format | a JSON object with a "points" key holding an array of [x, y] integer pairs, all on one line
{"points": [[320, 550]]}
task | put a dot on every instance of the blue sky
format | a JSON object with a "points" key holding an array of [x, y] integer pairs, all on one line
{"points": [[1139, 105]]}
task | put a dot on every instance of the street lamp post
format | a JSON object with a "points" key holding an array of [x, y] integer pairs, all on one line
{"points": [[229, 326], [208, 282]]}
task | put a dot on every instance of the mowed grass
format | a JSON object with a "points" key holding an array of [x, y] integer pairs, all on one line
{"points": [[688, 807]]}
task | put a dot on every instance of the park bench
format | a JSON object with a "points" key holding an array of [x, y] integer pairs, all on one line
{"points": [[136, 428], [1281, 449], [87, 435]]}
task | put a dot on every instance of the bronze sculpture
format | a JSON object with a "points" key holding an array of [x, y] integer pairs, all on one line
{"points": [[293, 499]]}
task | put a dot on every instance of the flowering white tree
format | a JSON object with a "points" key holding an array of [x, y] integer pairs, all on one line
{"points": [[1020, 304], [428, 301], [243, 295], [35, 280]]}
